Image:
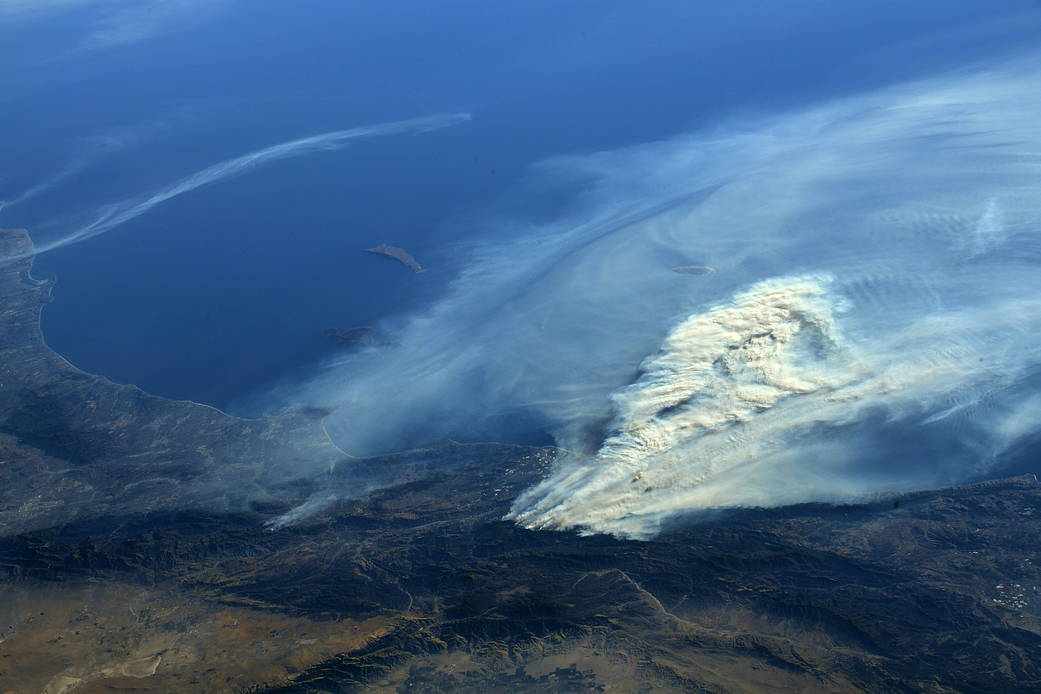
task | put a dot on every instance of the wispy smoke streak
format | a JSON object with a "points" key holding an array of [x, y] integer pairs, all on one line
{"points": [[304, 511], [69, 171], [114, 215]]}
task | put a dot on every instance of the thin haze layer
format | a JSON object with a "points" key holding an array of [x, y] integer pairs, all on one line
{"points": [[920, 203], [111, 216]]}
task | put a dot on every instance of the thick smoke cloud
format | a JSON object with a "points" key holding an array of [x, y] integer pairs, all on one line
{"points": [[757, 402], [872, 322]]}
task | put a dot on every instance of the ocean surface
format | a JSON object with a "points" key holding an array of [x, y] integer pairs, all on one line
{"points": [[217, 294]]}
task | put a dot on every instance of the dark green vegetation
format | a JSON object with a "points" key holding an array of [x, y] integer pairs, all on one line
{"points": [[141, 550]]}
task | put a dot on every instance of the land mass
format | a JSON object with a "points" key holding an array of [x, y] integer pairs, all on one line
{"points": [[694, 270], [150, 545], [398, 254]]}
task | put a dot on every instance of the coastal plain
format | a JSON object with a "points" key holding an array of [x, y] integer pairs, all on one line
{"points": [[150, 545]]}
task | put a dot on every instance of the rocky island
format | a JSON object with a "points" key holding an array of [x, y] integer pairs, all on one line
{"points": [[398, 254], [694, 270]]}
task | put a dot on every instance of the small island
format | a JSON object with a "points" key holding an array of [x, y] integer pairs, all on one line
{"points": [[398, 254], [694, 270]]}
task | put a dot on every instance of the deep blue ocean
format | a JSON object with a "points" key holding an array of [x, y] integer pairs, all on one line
{"points": [[217, 293]]}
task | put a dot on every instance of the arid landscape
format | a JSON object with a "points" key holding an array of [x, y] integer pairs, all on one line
{"points": [[405, 578]]}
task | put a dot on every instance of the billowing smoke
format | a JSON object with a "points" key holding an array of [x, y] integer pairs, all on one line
{"points": [[696, 402], [753, 403], [870, 321]]}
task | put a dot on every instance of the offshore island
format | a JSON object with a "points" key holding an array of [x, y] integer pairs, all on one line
{"points": [[398, 254], [694, 270]]}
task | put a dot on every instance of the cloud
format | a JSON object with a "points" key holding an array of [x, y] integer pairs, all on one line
{"points": [[111, 216], [919, 203]]}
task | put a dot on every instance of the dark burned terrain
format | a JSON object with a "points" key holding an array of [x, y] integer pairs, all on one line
{"points": [[144, 548]]}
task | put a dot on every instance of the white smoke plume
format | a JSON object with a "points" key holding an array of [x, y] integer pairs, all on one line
{"points": [[876, 301], [738, 391], [304, 511]]}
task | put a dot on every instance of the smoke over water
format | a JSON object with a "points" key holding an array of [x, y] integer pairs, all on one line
{"points": [[114, 215], [871, 323]]}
